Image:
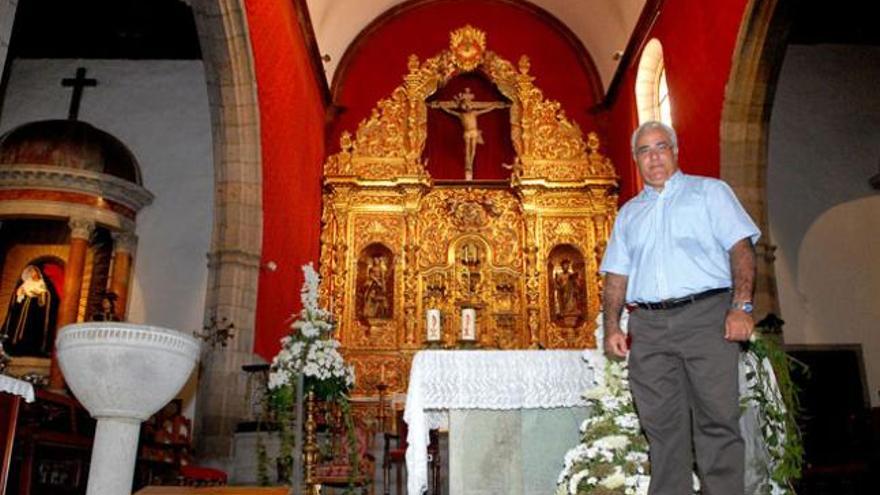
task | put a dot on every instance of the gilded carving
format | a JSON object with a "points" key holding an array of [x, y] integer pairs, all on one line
{"points": [[467, 45], [548, 145], [565, 202], [567, 230], [385, 229], [373, 368], [449, 213], [519, 259]]}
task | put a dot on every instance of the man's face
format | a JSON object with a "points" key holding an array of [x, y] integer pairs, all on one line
{"points": [[655, 158]]}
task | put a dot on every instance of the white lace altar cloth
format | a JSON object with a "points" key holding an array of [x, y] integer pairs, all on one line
{"points": [[501, 380], [17, 387]]}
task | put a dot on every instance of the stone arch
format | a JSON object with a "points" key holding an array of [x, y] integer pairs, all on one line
{"points": [[234, 259], [745, 124]]}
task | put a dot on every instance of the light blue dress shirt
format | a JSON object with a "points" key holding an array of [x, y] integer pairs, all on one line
{"points": [[675, 242]]}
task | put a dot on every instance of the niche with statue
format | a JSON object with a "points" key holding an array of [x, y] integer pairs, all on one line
{"points": [[567, 286]]}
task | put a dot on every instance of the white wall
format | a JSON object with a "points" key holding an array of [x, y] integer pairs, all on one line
{"points": [[159, 109], [7, 16], [824, 145]]}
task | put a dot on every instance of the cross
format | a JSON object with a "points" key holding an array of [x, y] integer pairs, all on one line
{"points": [[78, 83]]}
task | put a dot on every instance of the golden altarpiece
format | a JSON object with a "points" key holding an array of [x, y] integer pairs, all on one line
{"points": [[522, 255]]}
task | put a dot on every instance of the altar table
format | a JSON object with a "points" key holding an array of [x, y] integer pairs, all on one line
{"points": [[468, 380]]}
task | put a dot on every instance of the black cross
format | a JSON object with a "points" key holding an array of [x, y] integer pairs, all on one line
{"points": [[78, 83]]}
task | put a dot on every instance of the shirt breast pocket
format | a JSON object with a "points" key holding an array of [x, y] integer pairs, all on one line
{"points": [[689, 223]]}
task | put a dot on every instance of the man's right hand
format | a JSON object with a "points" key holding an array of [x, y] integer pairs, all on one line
{"points": [[615, 343]]}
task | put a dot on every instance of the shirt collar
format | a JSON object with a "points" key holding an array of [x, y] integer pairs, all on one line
{"points": [[672, 184]]}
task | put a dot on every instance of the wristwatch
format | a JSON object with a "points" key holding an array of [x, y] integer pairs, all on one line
{"points": [[744, 306]]}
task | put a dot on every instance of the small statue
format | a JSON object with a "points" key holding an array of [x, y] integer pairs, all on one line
{"points": [[375, 290], [467, 110], [108, 308], [30, 319], [565, 281]]}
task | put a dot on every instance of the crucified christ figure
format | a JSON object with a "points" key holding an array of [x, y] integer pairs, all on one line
{"points": [[467, 110]]}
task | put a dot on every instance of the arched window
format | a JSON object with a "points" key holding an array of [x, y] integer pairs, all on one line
{"points": [[652, 92]]}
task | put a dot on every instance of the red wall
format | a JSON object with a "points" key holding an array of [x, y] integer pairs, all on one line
{"points": [[698, 39], [292, 140], [376, 63]]}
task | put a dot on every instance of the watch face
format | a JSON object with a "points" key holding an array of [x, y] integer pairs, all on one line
{"points": [[745, 306]]}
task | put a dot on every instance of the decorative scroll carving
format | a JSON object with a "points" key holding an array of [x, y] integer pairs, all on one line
{"points": [[498, 249], [450, 213], [389, 143]]}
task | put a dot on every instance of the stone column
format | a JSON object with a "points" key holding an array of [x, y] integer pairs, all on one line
{"points": [[123, 250], [745, 124], [80, 232]]}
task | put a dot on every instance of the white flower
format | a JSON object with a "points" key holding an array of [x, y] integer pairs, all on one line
{"points": [[309, 330], [628, 421], [614, 480], [636, 457], [596, 393], [278, 380], [309, 294], [642, 484], [613, 442], [575, 481]]}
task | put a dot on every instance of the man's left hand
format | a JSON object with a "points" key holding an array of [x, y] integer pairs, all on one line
{"points": [[738, 325]]}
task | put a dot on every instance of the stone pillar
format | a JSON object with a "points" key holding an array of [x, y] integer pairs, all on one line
{"points": [[234, 261], [745, 124], [123, 250], [80, 232], [232, 291]]}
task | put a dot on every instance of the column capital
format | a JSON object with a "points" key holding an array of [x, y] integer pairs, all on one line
{"points": [[124, 241], [81, 228]]}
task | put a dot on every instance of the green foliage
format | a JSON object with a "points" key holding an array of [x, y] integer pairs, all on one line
{"points": [[778, 421]]}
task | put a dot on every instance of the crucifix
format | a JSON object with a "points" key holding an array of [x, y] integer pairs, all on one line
{"points": [[78, 83], [467, 110]]}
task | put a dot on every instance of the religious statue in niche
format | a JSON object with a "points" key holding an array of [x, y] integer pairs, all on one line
{"points": [[470, 259], [467, 110], [375, 283], [567, 286], [375, 291], [30, 319]]}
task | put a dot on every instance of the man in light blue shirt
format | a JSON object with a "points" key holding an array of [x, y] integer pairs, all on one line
{"points": [[681, 257]]}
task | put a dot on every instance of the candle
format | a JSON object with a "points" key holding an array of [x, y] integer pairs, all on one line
{"points": [[468, 324], [433, 327]]}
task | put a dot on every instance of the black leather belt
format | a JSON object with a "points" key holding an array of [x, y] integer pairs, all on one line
{"points": [[680, 301]]}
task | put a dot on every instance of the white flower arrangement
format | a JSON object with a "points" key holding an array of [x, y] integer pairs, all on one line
{"points": [[612, 458], [310, 349]]}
